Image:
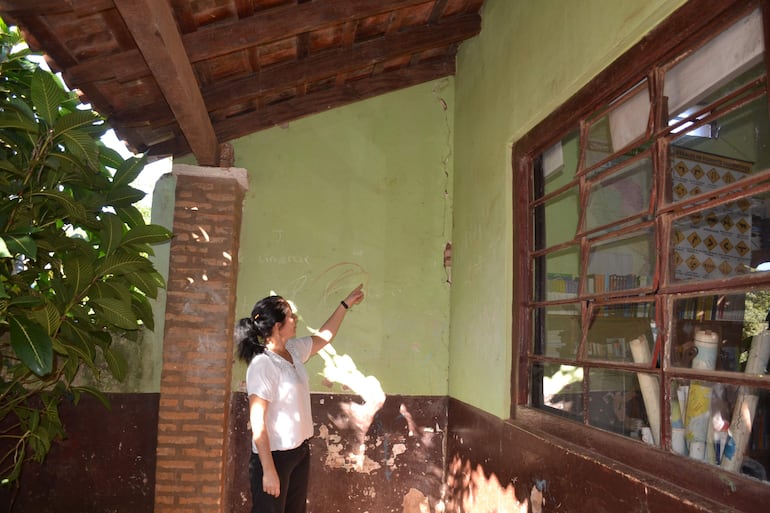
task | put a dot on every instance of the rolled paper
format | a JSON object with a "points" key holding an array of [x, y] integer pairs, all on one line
{"points": [[648, 384], [678, 444], [746, 405], [682, 391], [698, 419], [676, 414]]}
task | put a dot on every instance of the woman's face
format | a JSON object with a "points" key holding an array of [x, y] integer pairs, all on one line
{"points": [[288, 327]]}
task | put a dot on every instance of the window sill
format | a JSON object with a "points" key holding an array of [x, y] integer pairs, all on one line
{"points": [[683, 476]]}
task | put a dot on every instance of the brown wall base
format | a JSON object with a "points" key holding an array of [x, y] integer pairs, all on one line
{"points": [[391, 462], [107, 463]]}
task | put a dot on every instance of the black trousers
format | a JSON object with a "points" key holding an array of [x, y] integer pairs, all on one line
{"points": [[293, 468]]}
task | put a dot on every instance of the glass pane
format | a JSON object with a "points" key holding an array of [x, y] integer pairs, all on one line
{"points": [[712, 244], [724, 425], [625, 403], [560, 162], [732, 150], [624, 124], [621, 264], [621, 195], [558, 389], [561, 331], [560, 273], [726, 332], [561, 217], [622, 333], [721, 242], [715, 66]]}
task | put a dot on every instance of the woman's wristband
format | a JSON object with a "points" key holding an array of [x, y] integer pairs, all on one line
{"points": [[344, 304]]}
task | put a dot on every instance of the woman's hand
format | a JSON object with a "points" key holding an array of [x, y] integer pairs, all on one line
{"points": [[356, 296], [271, 483]]}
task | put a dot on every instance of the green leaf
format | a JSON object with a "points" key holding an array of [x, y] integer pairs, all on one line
{"points": [[147, 234], [26, 301], [116, 312], [128, 172], [121, 264], [4, 252], [111, 234], [47, 95], [14, 119], [31, 344], [92, 391], [143, 310], [124, 196], [83, 146], [144, 281], [116, 363], [20, 245], [130, 215], [72, 121], [108, 157], [74, 338], [113, 289], [78, 273], [74, 210], [48, 317]]}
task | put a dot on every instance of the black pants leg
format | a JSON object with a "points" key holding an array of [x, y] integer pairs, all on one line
{"points": [[293, 468]]}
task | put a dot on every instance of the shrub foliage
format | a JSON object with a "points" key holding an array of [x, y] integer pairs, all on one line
{"points": [[74, 267]]}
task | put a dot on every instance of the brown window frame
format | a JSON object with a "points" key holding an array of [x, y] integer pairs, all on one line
{"points": [[685, 30]]}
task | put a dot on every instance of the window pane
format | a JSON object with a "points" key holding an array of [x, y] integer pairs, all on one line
{"points": [[618, 402], [736, 146], [726, 332], [721, 242], [622, 264], [561, 331], [561, 217], [625, 123], [715, 64], [724, 425], [559, 389], [560, 273], [560, 162], [712, 244], [620, 195], [621, 333]]}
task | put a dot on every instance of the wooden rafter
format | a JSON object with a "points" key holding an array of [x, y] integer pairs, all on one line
{"points": [[154, 29]]}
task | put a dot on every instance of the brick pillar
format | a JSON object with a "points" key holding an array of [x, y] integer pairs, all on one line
{"points": [[198, 340]]}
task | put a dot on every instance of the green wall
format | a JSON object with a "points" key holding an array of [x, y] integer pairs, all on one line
{"points": [[359, 194], [530, 57]]}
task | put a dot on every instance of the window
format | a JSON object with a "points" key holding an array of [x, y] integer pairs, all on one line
{"points": [[645, 219]]}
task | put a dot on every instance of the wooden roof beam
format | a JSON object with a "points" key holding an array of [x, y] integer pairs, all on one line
{"points": [[152, 26], [325, 64]]}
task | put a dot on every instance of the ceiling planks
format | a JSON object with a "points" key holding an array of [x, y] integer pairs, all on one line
{"points": [[180, 76]]}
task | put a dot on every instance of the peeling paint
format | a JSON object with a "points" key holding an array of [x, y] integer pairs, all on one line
{"points": [[351, 461], [536, 499], [415, 502]]}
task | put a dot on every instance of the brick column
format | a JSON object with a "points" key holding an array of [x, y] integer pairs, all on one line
{"points": [[198, 340]]}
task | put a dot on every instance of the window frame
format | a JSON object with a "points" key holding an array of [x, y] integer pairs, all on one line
{"points": [[691, 25]]}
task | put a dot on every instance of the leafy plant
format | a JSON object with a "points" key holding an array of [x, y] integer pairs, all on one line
{"points": [[74, 267]]}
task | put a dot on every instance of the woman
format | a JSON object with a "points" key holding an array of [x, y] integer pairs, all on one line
{"points": [[279, 400]]}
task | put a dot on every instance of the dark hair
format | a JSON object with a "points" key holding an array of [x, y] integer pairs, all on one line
{"points": [[254, 330]]}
